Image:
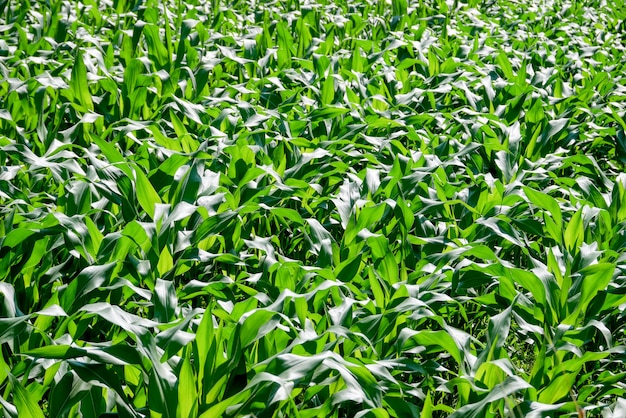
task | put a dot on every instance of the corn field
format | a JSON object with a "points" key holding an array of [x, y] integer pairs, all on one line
{"points": [[312, 208]]}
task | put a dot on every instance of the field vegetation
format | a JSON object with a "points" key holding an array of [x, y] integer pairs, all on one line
{"points": [[312, 208]]}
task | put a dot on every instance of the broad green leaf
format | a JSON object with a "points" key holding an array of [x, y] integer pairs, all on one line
{"points": [[545, 202], [510, 386], [574, 234], [505, 65], [78, 82], [146, 195], [25, 402], [68, 391], [165, 300], [187, 390]]}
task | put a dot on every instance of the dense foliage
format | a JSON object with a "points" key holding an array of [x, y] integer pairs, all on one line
{"points": [[322, 208]]}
